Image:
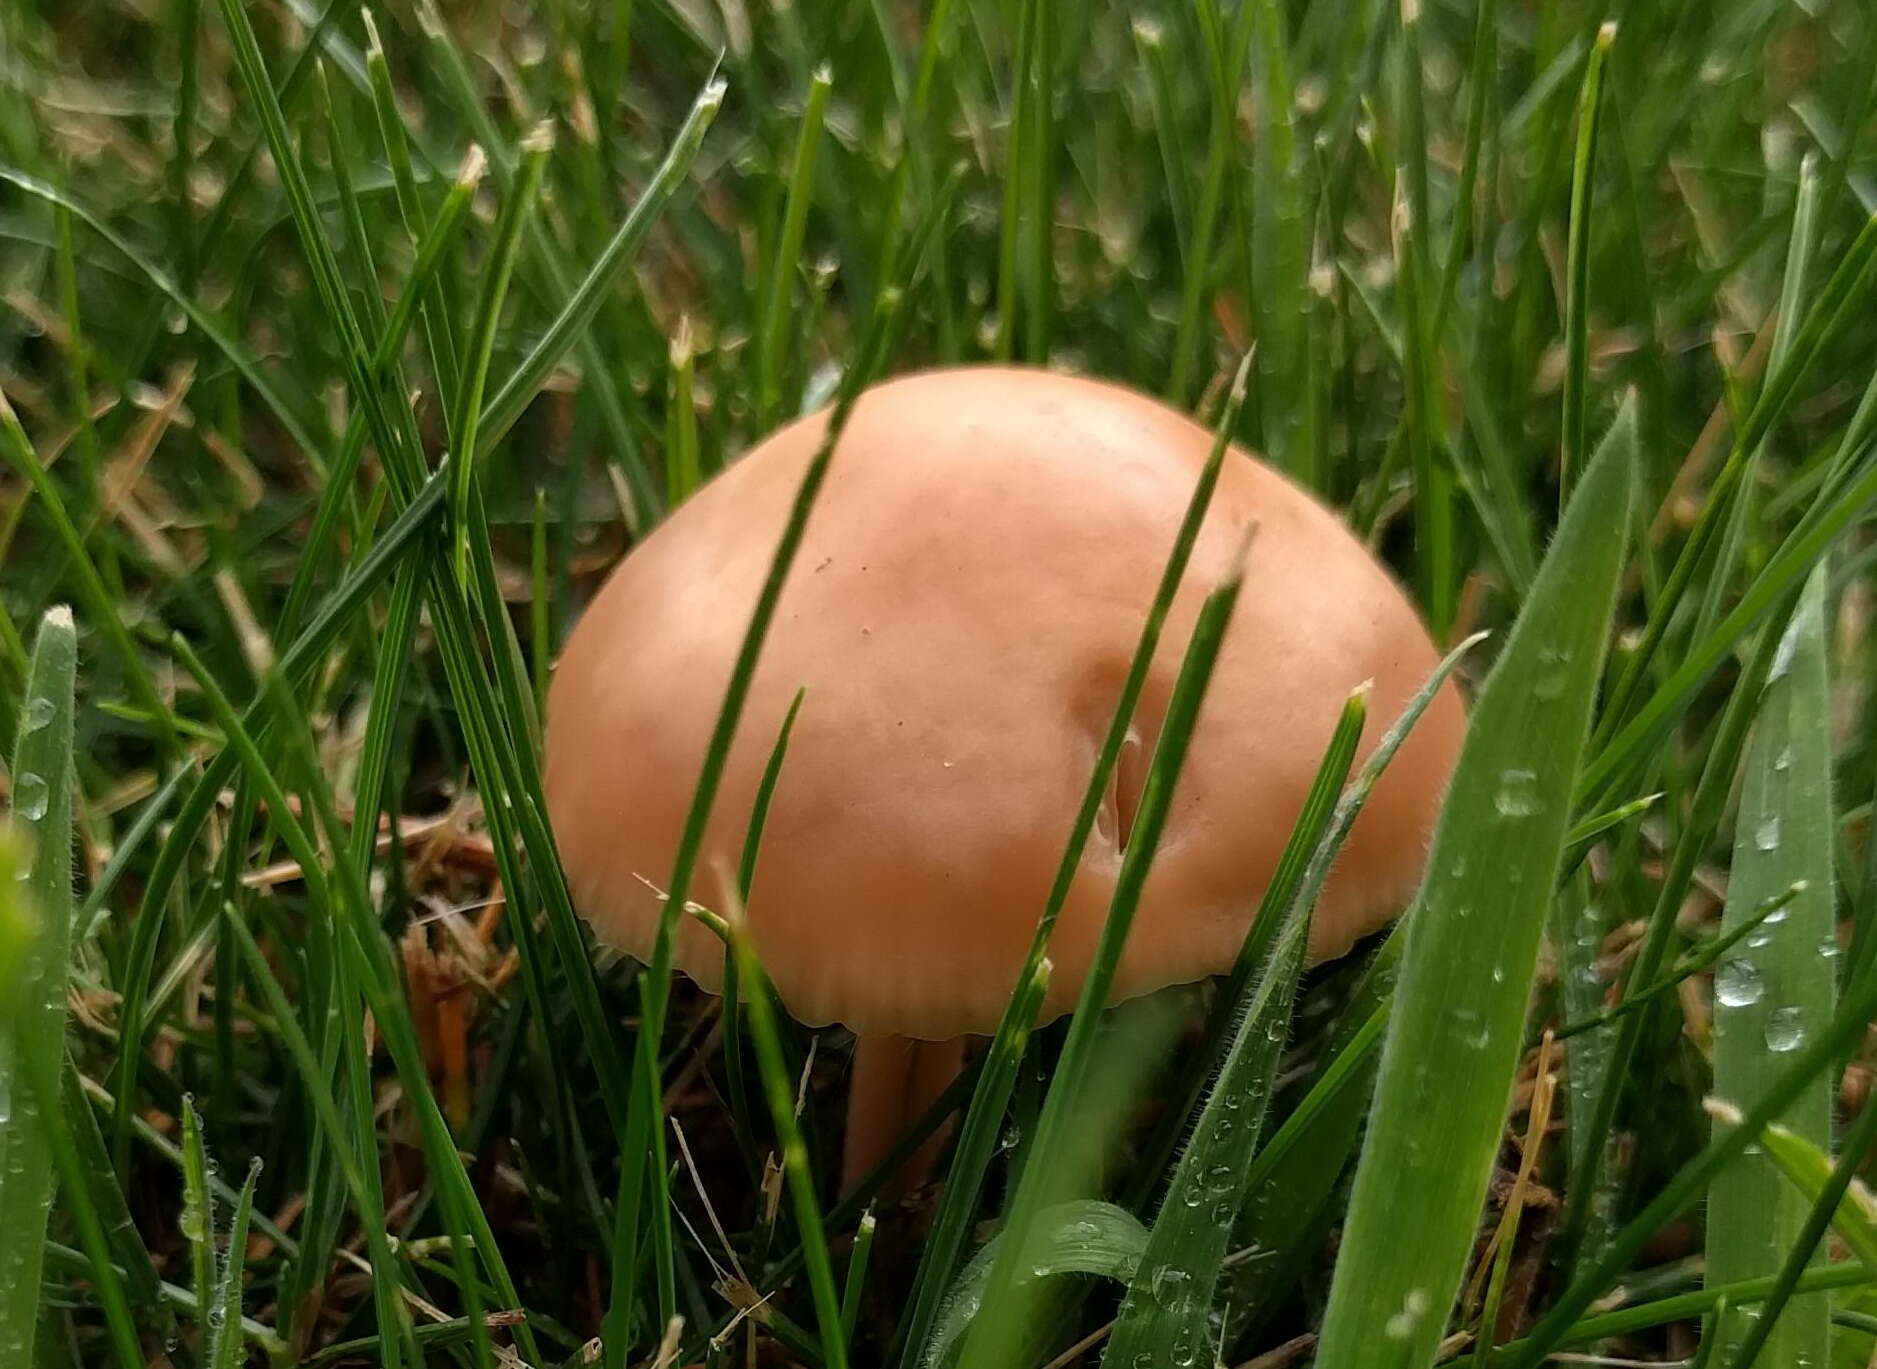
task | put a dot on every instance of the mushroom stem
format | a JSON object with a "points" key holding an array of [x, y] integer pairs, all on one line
{"points": [[895, 1080]]}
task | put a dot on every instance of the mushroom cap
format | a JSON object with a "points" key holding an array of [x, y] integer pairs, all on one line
{"points": [[966, 601]]}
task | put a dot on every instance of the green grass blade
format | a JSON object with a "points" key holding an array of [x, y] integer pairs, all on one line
{"points": [[602, 277], [517, 209], [773, 346], [42, 1099], [1472, 943], [1805, 1165], [226, 1344], [779, 1088], [1082, 1236], [99, 604], [1312, 819], [1164, 1317], [1009, 1306], [855, 1288], [198, 1207], [1836, 1200], [128, 1252], [1769, 995], [682, 471], [1839, 301], [32, 1024], [1573, 449], [977, 1143], [1685, 1306]]}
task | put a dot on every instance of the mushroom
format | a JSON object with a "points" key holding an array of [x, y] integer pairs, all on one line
{"points": [[962, 613]]}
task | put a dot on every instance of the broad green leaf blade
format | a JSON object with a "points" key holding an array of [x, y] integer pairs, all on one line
{"points": [[1079, 1237], [1769, 995], [32, 1042], [1456, 1031]]}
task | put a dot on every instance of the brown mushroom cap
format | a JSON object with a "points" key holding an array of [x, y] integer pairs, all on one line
{"points": [[962, 613]]}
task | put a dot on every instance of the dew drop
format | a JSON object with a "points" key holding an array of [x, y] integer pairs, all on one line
{"points": [[1785, 1029], [1553, 673], [36, 714], [1402, 1324], [1777, 915], [30, 799], [1517, 795], [1737, 984], [1169, 1284], [1766, 835], [1783, 761], [1183, 1352]]}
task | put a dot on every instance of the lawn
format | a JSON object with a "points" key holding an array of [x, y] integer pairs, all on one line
{"points": [[347, 346]]}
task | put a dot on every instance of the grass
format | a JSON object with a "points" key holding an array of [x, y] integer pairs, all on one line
{"points": [[346, 345]]}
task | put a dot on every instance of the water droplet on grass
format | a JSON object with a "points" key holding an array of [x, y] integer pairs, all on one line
{"points": [[1517, 795], [36, 714], [1737, 984], [1553, 673], [1785, 1029], [1169, 1284], [30, 799], [1766, 835]]}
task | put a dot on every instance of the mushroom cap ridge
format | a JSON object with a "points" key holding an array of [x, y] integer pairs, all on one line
{"points": [[962, 613]]}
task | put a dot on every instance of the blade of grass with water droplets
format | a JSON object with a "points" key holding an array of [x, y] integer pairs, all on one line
{"points": [[1778, 986], [32, 1029], [1083, 1236], [1306, 833], [226, 1345], [1009, 1304], [198, 1206], [1456, 1031]]}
